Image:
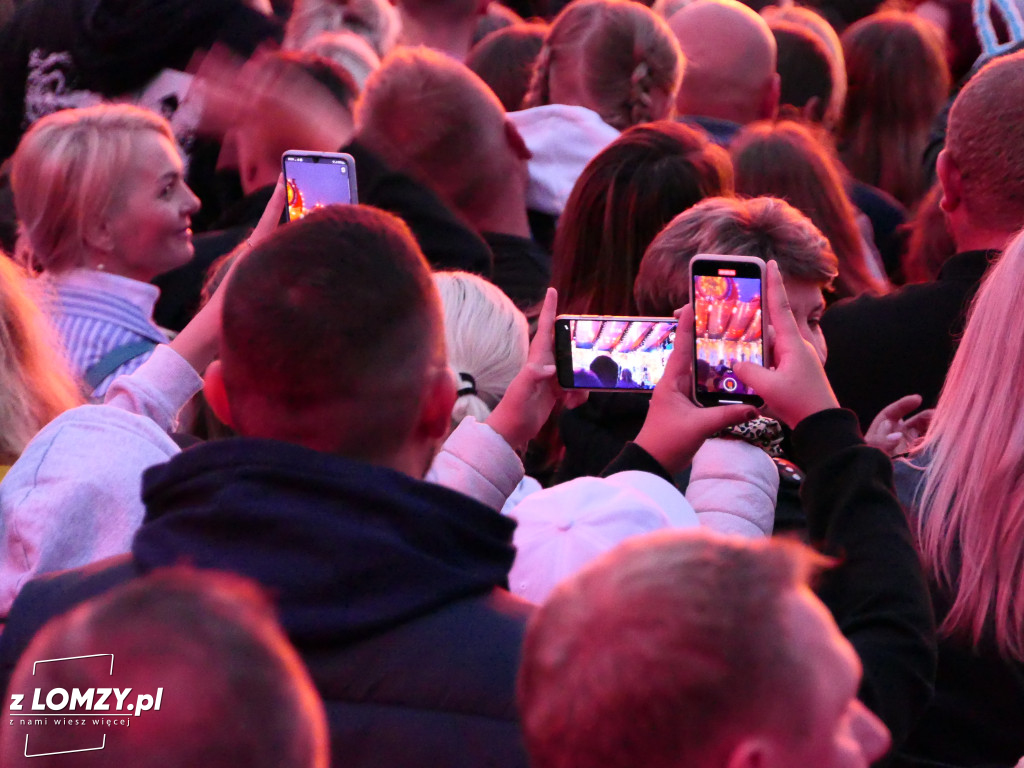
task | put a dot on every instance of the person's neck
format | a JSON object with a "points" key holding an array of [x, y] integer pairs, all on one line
{"points": [[455, 40], [506, 216], [972, 239]]}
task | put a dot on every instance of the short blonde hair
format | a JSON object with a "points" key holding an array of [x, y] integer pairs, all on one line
{"points": [[626, 53], [766, 227], [486, 336], [66, 175]]}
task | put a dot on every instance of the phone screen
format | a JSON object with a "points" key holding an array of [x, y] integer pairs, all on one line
{"points": [[314, 181], [613, 353], [728, 328]]}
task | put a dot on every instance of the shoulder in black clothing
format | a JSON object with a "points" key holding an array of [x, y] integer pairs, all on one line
{"points": [[881, 348]]}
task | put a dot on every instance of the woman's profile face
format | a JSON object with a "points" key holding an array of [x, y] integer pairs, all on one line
{"points": [[149, 226]]}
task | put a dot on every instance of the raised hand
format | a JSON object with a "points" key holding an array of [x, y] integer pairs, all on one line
{"points": [[796, 386]]}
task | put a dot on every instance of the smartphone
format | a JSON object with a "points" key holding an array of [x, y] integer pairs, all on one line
{"points": [[728, 322], [620, 354], [316, 179]]}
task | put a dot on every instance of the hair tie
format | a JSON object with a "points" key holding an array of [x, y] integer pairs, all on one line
{"points": [[468, 386]]}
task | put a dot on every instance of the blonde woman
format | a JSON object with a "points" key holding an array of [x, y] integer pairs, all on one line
{"points": [[103, 206], [963, 485]]}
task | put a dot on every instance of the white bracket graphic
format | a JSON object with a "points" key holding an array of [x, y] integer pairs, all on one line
{"points": [[70, 751]]}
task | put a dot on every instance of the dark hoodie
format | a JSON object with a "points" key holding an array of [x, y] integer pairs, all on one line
{"points": [[62, 53], [389, 587]]}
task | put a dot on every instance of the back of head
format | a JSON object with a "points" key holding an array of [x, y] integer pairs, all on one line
{"points": [[730, 61], [332, 334], [786, 160], [623, 198], [985, 140], [615, 57], [487, 339], [66, 175], [505, 61], [429, 116], [35, 383], [817, 24], [971, 505], [376, 21], [805, 72], [211, 643], [664, 652], [898, 82], [765, 227]]}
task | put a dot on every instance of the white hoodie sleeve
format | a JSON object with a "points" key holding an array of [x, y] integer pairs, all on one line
{"points": [[733, 488], [476, 460]]}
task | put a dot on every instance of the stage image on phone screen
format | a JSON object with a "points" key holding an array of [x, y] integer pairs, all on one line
{"points": [[312, 185], [620, 354], [727, 317]]}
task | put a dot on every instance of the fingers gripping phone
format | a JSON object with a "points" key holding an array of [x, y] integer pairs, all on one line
{"points": [[316, 179], [604, 352], [726, 293]]}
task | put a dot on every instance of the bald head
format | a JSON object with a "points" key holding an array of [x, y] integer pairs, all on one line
{"points": [[730, 54]]}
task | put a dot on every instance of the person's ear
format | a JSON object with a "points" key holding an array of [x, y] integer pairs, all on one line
{"points": [[752, 752], [98, 235], [813, 111], [770, 98], [951, 181], [515, 141], [216, 393], [436, 413]]}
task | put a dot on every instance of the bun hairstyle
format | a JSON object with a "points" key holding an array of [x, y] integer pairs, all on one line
{"points": [[626, 55], [487, 340]]}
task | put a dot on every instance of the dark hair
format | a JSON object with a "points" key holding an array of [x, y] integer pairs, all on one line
{"points": [[212, 638], [898, 82], [929, 243], [786, 160], [504, 60], [331, 75], [804, 67], [336, 311], [623, 198], [606, 370]]}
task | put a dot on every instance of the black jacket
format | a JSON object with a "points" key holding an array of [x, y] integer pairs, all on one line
{"points": [[390, 588], [881, 348], [877, 593]]}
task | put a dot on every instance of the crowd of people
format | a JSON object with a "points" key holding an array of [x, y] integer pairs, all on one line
{"points": [[313, 486]]}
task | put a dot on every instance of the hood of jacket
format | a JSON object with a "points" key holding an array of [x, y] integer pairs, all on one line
{"points": [[346, 549]]}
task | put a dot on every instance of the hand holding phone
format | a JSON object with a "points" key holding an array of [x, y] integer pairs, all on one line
{"points": [[533, 393], [726, 294], [316, 179], [675, 426], [797, 386], [611, 353]]}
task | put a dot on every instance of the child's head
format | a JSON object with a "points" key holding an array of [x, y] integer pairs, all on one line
{"points": [[612, 56]]}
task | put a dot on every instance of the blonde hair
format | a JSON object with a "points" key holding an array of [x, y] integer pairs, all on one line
{"points": [[376, 21], [626, 54], [487, 338], [970, 525], [66, 175], [35, 383]]}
